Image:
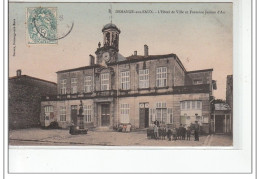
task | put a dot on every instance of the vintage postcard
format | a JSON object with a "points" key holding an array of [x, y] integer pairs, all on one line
{"points": [[120, 74]]}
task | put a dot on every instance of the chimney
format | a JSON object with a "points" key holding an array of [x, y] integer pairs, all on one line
{"points": [[18, 72], [146, 50], [91, 60], [135, 53]]}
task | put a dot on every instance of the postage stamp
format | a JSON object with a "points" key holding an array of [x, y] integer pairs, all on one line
{"points": [[41, 25]]}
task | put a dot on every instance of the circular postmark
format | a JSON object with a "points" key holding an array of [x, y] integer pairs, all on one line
{"points": [[42, 26]]}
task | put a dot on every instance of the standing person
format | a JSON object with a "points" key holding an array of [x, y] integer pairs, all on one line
{"points": [[180, 132], [155, 129], [169, 134], [174, 134], [197, 129], [188, 133], [156, 122], [183, 133]]}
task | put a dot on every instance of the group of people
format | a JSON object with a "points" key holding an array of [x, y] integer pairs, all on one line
{"points": [[181, 133]]}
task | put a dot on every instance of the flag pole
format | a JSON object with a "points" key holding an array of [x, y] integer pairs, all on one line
{"points": [[111, 20]]}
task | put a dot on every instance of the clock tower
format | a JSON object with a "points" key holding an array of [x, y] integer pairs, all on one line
{"points": [[109, 51]]}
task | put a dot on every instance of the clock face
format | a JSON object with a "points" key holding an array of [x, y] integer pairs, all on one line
{"points": [[106, 56]]}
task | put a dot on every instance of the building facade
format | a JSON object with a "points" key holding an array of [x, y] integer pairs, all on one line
{"points": [[229, 97], [24, 100], [137, 89]]}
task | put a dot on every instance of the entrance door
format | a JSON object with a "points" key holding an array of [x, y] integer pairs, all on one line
{"points": [[73, 113], [146, 118], [219, 123], [143, 115], [105, 115]]}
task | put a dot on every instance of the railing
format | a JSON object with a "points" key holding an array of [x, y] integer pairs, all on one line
{"points": [[108, 93], [203, 88]]}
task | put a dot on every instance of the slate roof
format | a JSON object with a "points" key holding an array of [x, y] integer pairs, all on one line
{"points": [[110, 26], [30, 77]]}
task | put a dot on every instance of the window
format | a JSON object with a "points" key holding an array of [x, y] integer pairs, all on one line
{"points": [[188, 104], [48, 112], [48, 109], [74, 85], [198, 104], [161, 105], [87, 84], [193, 104], [170, 116], [161, 77], [161, 112], [62, 113], [183, 105], [197, 82], [63, 86], [144, 78], [87, 111], [104, 81], [124, 113], [125, 80]]}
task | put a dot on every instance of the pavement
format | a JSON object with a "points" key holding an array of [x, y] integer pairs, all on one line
{"points": [[61, 137]]}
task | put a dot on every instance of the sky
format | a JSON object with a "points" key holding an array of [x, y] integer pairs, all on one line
{"points": [[201, 41]]}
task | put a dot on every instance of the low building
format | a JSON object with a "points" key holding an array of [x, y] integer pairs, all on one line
{"points": [[222, 118], [137, 89], [24, 99]]}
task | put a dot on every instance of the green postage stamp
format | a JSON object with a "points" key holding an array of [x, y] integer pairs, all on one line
{"points": [[41, 25]]}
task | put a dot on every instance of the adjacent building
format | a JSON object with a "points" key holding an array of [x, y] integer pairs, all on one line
{"points": [[24, 99], [137, 89], [222, 118], [229, 96]]}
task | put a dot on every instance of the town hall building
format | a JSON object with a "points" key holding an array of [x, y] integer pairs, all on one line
{"points": [[138, 89]]}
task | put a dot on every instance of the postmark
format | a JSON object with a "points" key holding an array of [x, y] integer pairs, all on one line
{"points": [[42, 25]]}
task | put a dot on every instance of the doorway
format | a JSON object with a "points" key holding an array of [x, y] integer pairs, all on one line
{"points": [[144, 115], [219, 123], [73, 113], [105, 114]]}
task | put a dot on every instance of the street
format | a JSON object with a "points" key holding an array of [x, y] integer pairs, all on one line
{"points": [[58, 137]]}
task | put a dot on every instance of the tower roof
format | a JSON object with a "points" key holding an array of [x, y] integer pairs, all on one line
{"points": [[110, 26]]}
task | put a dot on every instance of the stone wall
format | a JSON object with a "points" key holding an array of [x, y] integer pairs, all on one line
{"points": [[175, 75], [24, 101]]}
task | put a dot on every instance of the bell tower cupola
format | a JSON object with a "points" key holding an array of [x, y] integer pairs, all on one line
{"points": [[111, 36], [108, 53]]}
